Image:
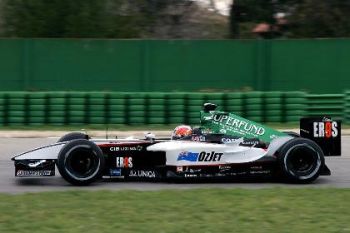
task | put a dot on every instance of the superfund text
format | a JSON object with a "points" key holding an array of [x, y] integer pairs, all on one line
{"points": [[239, 124]]}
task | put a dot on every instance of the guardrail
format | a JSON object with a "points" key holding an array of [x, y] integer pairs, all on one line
{"points": [[326, 104], [132, 108]]}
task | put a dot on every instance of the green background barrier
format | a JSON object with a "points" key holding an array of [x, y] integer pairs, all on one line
{"points": [[163, 108], [317, 66]]}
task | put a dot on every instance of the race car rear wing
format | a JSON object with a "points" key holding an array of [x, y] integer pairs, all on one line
{"points": [[324, 131]]}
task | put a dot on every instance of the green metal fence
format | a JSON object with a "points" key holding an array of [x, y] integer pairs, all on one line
{"points": [[172, 65], [129, 108]]}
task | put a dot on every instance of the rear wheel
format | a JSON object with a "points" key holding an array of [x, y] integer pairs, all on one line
{"points": [[80, 162], [301, 160], [293, 134]]}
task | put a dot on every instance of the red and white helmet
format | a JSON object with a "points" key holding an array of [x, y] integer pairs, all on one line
{"points": [[181, 131]]}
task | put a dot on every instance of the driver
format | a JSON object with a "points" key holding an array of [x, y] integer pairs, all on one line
{"points": [[181, 132], [186, 132]]}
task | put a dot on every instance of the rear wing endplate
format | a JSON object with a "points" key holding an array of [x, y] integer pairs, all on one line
{"points": [[324, 131]]}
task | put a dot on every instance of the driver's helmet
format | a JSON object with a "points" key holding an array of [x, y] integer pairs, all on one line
{"points": [[181, 131]]}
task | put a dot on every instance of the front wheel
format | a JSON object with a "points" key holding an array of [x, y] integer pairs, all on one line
{"points": [[301, 160], [80, 162], [72, 136]]}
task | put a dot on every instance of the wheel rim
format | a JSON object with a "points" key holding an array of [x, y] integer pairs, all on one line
{"points": [[302, 161], [82, 162]]}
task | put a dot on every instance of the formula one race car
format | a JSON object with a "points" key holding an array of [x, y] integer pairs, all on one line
{"points": [[225, 146]]}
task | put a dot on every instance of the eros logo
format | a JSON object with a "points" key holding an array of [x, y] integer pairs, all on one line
{"points": [[124, 162], [326, 129]]}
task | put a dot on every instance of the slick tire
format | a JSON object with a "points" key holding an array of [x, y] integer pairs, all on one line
{"points": [[80, 162], [301, 160], [73, 136], [293, 134]]}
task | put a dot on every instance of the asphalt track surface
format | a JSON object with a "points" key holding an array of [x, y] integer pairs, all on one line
{"points": [[339, 166]]}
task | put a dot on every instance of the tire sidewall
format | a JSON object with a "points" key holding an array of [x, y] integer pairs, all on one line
{"points": [[66, 152], [292, 134], [73, 136]]}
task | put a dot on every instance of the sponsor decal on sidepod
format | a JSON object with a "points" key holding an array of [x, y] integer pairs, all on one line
{"points": [[126, 148], [199, 157], [124, 162], [115, 172], [142, 173]]}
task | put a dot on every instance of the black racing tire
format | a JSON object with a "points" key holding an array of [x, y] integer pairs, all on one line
{"points": [[73, 136], [80, 162], [293, 134], [301, 160]]}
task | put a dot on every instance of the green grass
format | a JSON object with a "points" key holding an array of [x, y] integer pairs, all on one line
{"points": [[201, 210]]}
